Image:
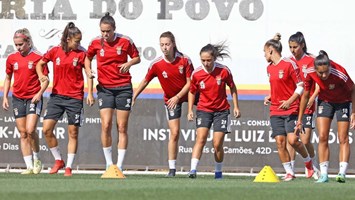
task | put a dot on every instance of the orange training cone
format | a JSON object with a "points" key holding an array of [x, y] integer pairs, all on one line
{"points": [[113, 172]]}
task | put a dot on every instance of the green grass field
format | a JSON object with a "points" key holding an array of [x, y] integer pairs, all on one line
{"points": [[81, 186]]}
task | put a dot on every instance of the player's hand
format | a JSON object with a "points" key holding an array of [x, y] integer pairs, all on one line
{"points": [[190, 116], [267, 100], [237, 113], [172, 102], [90, 100], [5, 103], [37, 98], [284, 105], [299, 128], [352, 121], [124, 68]]}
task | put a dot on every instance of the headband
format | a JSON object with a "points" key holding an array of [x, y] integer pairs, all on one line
{"points": [[20, 35]]}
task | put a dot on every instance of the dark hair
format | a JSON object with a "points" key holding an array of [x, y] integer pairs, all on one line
{"points": [[70, 31], [299, 39], [322, 59], [24, 33], [216, 50], [275, 42], [107, 19], [171, 36]]}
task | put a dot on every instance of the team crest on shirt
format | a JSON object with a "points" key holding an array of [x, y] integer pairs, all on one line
{"points": [[202, 85], [219, 80], [30, 64], [16, 66], [331, 86], [75, 61], [281, 73], [320, 109], [165, 75], [102, 52], [181, 69], [304, 70], [119, 50], [57, 61], [15, 111]]}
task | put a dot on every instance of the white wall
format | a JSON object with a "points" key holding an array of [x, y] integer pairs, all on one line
{"points": [[326, 24]]}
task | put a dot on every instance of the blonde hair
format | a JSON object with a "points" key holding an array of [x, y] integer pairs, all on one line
{"points": [[275, 43], [24, 33]]}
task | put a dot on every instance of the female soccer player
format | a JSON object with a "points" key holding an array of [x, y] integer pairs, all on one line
{"points": [[210, 80], [26, 96], [337, 91], [114, 90], [67, 93], [173, 70], [304, 61], [286, 87]]}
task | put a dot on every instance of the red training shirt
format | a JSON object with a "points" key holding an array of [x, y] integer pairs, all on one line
{"points": [[172, 75], [26, 84], [212, 87], [283, 78], [67, 71], [336, 89], [109, 57], [306, 62]]}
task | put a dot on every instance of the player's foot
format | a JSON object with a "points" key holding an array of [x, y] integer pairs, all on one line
{"points": [[340, 178], [218, 175], [171, 173], [67, 172], [37, 166], [289, 177], [316, 173], [59, 164], [27, 172], [309, 169], [192, 174], [323, 178]]}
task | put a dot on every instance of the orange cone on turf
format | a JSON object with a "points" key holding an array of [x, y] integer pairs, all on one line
{"points": [[267, 175], [113, 172]]}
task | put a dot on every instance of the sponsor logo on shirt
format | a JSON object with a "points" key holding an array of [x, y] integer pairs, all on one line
{"points": [[281, 73], [30, 64], [181, 69], [75, 61], [165, 75], [16, 66]]}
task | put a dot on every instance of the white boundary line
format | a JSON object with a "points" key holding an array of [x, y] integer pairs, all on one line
{"points": [[128, 172]]}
